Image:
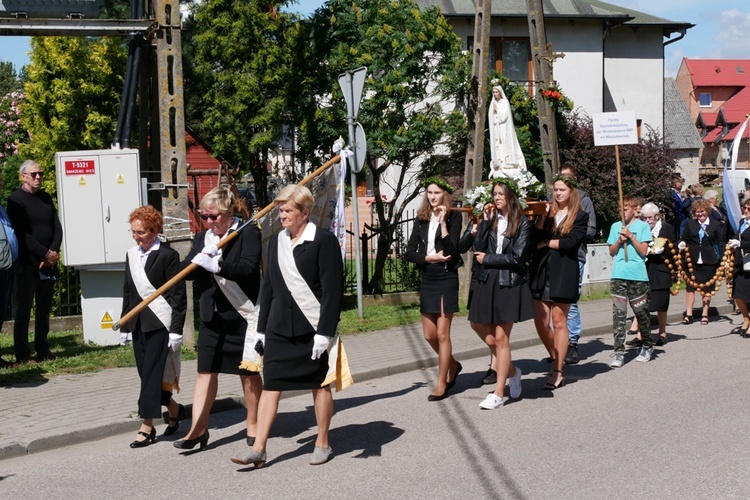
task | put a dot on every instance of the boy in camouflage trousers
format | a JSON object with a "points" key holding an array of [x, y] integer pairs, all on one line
{"points": [[629, 281]]}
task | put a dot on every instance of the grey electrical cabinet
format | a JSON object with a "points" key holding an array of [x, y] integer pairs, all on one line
{"points": [[96, 192]]}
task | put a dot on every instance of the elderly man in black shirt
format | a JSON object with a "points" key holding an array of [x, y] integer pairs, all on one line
{"points": [[39, 235]]}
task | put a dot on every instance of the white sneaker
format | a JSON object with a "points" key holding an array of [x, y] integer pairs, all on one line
{"points": [[515, 384], [619, 359], [491, 402], [645, 354]]}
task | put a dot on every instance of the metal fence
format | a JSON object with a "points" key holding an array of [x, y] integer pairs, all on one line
{"points": [[399, 275]]}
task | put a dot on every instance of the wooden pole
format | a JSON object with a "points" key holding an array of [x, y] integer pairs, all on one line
{"points": [[619, 189], [191, 267], [476, 114]]}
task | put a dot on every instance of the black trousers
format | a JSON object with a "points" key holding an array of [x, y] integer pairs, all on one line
{"points": [[27, 287], [150, 351]]}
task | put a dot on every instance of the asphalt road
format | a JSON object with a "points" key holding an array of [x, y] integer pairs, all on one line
{"points": [[676, 427]]}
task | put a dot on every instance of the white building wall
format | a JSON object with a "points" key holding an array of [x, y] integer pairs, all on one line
{"points": [[634, 74], [580, 73]]}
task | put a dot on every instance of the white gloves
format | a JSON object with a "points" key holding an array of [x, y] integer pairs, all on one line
{"points": [[320, 345], [211, 250], [734, 243], [175, 342], [658, 250], [682, 246], [125, 338], [259, 343], [206, 262]]}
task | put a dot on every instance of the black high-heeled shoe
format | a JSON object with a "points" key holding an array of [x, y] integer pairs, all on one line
{"points": [[549, 386], [189, 444], [150, 438], [172, 428]]}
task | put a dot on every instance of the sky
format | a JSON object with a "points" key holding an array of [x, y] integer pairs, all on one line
{"points": [[721, 27]]}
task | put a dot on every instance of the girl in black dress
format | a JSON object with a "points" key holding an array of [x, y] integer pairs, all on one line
{"points": [[502, 296], [433, 246], [227, 284], [557, 236]]}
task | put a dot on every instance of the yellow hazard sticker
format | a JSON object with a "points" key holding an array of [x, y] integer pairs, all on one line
{"points": [[107, 322], [120, 179], [81, 181]]}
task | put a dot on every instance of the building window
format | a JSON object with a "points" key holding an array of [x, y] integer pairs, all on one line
{"points": [[705, 99], [511, 57]]}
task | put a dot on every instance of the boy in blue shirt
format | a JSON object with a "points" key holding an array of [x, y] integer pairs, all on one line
{"points": [[629, 281]]}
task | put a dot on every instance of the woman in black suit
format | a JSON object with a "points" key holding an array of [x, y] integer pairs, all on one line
{"points": [[741, 277], [157, 329], [433, 246], [502, 296], [557, 236], [301, 299], [659, 275], [227, 283], [704, 239]]}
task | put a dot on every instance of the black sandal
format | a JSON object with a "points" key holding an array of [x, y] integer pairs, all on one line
{"points": [[549, 386], [687, 320], [704, 320]]}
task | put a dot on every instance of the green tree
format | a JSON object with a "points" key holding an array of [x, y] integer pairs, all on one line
{"points": [[9, 80], [72, 96], [416, 75], [238, 79]]}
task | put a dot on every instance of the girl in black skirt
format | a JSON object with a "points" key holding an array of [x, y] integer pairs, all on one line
{"points": [[502, 296], [557, 237], [433, 246]]}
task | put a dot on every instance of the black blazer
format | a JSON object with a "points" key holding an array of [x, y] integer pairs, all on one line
{"points": [[161, 266], [240, 263], [713, 240], [319, 262], [511, 263], [659, 275], [416, 248], [561, 265], [744, 247]]}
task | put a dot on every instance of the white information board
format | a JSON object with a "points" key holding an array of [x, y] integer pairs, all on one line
{"points": [[611, 129]]}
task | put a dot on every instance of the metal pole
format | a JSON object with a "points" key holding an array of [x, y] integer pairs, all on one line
{"points": [[355, 212]]}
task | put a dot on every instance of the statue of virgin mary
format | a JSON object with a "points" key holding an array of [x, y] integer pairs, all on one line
{"points": [[507, 157]]}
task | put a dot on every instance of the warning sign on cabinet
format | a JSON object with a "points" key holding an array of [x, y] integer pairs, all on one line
{"points": [[107, 322], [80, 167]]}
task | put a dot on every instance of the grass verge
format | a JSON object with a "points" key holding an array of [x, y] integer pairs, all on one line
{"points": [[77, 356]]}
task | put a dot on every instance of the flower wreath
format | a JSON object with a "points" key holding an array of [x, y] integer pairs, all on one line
{"points": [[510, 183], [441, 183], [567, 180]]}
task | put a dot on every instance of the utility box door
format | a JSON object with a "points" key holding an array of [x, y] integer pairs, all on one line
{"points": [[97, 190], [120, 187]]}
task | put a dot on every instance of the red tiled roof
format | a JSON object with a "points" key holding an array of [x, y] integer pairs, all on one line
{"points": [[735, 110], [709, 118], [719, 72], [733, 133], [712, 135]]}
